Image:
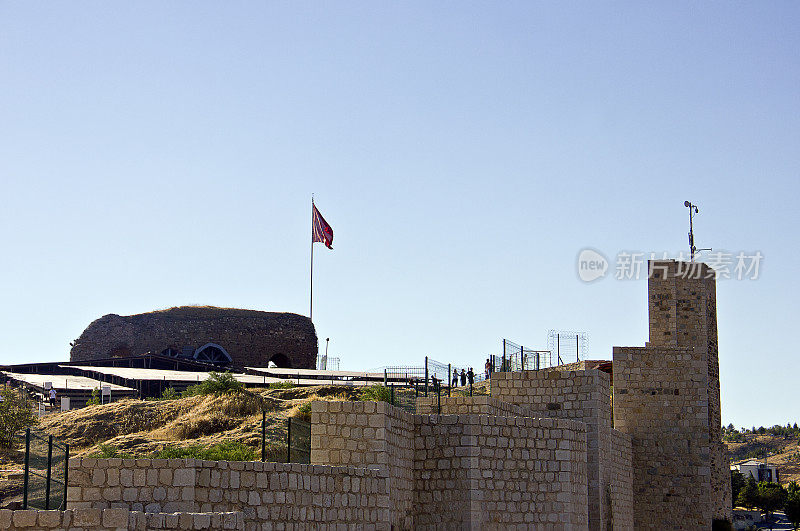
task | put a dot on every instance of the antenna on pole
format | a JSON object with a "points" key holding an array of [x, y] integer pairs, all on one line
{"points": [[692, 249]]}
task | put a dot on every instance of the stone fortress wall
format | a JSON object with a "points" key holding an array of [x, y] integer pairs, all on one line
{"points": [[666, 396], [585, 396], [543, 452], [116, 520], [467, 470], [252, 338], [271, 494]]}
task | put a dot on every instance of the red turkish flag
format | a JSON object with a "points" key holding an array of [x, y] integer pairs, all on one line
{"points": [[320, 230]]}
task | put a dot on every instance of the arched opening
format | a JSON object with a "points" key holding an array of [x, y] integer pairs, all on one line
{"points": [[280, 361], [172, 352], [212, 353]]}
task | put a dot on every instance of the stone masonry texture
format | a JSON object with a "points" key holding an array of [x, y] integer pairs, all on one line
{"points": [[683, 313], [250, 337], [116, 520], [468, 470], [666, 397], [267, 494], [582, 395]]}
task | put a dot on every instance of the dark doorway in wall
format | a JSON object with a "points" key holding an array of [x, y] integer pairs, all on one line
{"points": [[281, 361]]}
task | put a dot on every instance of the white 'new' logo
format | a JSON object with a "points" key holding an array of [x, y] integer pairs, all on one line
{"points": [[591, 265]]}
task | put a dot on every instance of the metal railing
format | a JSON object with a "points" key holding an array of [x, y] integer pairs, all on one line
{"points": [[430, 371], [518, 358], [405, 396], [46, 472]]}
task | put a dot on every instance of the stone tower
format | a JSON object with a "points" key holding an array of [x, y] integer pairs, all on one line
{"points": [[666, 396]]}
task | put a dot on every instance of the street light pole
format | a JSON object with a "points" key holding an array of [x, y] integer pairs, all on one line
{"points": [[692, 210]]}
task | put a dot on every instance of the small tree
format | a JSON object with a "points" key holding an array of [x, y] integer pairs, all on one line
{"points": [[748, 494], [94, 400], [737, 483], [15, 415], [771, 497], [792, 506]]}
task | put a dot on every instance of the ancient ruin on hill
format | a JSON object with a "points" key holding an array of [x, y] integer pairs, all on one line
{"points": [[204, 333]]}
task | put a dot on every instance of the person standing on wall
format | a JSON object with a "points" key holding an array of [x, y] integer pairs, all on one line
{"points": [[488, 368], [463, 377], [471, 376], [455, 377]]}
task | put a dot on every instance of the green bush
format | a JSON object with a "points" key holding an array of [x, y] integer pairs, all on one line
{"points": [[226, 451], [95, 399], [304, 412], [15, 414], [376, 393], [217, 383], [170, 394], [109, 451]]}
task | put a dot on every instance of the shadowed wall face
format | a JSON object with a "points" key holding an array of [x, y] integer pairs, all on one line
{"points": [[250, 337]]}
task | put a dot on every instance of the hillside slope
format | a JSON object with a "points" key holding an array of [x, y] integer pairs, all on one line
{"points": [[781, 451], [142, 428], [139, 428]]}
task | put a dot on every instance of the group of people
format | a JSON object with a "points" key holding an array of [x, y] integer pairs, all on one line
{"points": [[463, 377]]}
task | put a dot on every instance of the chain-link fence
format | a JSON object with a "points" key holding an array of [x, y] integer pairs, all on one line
{"points": [[518, 358], [298, 441], [567, 346], [46, 471]]}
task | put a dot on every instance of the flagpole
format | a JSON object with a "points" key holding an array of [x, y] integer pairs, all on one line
{"points": [[311, 292]]}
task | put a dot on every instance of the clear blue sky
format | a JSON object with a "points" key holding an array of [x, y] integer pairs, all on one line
{"points": [[155, 154]]}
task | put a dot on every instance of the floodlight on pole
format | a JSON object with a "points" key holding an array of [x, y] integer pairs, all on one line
{"points": [[692, 248]]}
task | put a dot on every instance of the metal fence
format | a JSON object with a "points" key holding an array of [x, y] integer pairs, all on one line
{"points": [[430, 371], [326, 363], [405, 396], [46, 471], [518, 358], [298, 441], [567, 346]]}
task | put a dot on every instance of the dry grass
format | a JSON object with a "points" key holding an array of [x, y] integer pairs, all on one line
{"points": [[785, 453], [145, 427]]}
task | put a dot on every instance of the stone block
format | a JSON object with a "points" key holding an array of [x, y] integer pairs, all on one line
{"points": [[201, 521], [86, 517], [98, 477], [24, 518], [115, 518], [49, 519], [183, 477]]}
